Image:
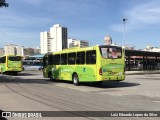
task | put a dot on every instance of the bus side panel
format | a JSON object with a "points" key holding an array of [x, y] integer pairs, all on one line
{"points": [[99, 65], [46, 71], [86, 73], [57, 72], [3, 67], [64, 72]]}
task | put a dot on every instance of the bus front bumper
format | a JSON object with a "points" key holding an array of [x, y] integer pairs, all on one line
{"points": [[14, 69]]}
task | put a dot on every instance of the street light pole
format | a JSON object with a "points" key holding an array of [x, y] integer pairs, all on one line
{"points": [[124, 21]]}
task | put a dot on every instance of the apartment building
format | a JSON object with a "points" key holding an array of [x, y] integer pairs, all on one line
{"points": [[45, 42], [1, 51], [54, 40], [13, 49], [77, 43]]}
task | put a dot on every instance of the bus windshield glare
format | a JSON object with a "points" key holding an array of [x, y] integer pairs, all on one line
{"points": [[111, 52]]}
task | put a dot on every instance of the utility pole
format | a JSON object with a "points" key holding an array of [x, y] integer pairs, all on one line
{"points": [[124, 22]]}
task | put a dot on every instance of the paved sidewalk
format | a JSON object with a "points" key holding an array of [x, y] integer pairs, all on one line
{"points": [[142, 72]]}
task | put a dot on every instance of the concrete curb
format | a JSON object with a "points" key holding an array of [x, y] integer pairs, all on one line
{"points": [[142, 72]]}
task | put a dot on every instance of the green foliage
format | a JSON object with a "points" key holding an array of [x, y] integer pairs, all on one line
{"points": [[3, 3]]}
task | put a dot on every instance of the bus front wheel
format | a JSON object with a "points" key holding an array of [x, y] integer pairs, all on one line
{"points": [[75, 79], [50, 77]]}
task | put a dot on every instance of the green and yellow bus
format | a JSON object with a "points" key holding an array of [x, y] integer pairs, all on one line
{"points": [[89, 64], [10, 64]]}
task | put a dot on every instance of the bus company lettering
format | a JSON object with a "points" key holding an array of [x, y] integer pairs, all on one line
{"points": [[66, 70], [114, 66]]}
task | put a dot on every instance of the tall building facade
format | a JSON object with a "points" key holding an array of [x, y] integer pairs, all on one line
{"points": [[55, 40], [77, 43], [1, 51], [13, 49], [45, 42]]}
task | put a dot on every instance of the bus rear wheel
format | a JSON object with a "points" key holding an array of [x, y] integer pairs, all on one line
{"points": [[75, 79], [15, 73]]}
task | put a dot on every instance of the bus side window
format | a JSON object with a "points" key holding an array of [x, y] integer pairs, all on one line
{"points": [[71, 58], [80, 58], [3, 59], [91, 57], [57, 59], [50, 59], [64, 59]]}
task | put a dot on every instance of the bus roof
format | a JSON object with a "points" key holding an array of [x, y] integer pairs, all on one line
{"points": [[10, 55], [74, 49]]}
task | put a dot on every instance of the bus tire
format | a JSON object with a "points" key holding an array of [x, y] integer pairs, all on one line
{"points": [[1, 71], [75, 79], [99, 82], [15, 73], [50, 76], [118, 80]]}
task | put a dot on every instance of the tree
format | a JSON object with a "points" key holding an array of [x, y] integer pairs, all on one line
{"points": [[3, 3]]}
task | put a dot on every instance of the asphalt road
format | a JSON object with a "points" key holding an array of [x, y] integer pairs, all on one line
{"points": [[29, 91]]}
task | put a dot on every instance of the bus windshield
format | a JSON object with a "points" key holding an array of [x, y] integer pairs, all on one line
{"points": [[14, 58], [111, 52]]}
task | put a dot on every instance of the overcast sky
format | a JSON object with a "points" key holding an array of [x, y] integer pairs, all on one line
{"points": [[22, 22]]}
